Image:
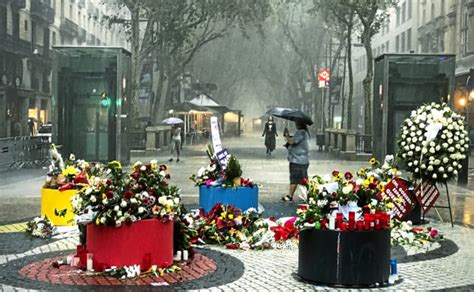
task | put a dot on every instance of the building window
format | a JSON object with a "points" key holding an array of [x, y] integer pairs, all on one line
{"points": [[79, 18], [16, 24], [402, 41], [404, 8], [398, 16], [409, 8], [387, 47], [443, 3], [423, 18], [3, 21], [432, 11], [54, 38], [397, 44], [26, 25], [409, 39]]}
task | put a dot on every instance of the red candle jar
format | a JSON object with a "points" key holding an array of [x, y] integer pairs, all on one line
{"points": [[377, 221], [303, 207], [343, 226], [367, 221], [351, 221], [323, 224], [338, 220], [360, 225]]}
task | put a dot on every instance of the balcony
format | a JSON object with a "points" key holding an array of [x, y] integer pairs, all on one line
{"points": [[41, 10], [15, 45], [69, 27]]}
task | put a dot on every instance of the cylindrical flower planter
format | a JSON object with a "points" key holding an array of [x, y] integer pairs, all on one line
{"points": [[352, 258], [145, 243], [53, 199], [240, 197]]}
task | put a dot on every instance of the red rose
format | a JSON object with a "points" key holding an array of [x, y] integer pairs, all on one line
{"points": [[167, 176], [379, 196], [348, 175], [334, 193], [127, 194], [372, 186], [335, 172], [163, 167], [135, 175], [109, 194], [109, 182], [304, 180], [311, 221], [433, 232]]}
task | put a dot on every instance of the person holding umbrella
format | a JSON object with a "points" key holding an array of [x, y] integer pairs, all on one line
{"points": [[176, 136], [298, 147], [270, 132]]}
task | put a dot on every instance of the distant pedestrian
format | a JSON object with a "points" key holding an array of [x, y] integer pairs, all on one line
{"points": [[31, 126], [176, 142], [298, 157], [270, 132]]}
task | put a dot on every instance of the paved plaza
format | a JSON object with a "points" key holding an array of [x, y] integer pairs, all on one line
{"points": [[449, 264]]}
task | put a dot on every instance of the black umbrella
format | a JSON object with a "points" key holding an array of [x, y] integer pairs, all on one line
{"points": [[290, 114]]}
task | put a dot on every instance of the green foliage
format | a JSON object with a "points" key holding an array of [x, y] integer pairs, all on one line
{"points": [[233, 169]]}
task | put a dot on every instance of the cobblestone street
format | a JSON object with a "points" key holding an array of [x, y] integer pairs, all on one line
{"points": [[450, 264]]}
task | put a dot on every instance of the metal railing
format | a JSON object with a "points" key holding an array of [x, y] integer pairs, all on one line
{"points": [[24, 151]]}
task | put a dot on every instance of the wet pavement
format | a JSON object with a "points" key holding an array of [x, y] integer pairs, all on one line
{"points": [[451, 265]]}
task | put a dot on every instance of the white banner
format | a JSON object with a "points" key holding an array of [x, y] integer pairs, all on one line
{"points": [[216, 139]]}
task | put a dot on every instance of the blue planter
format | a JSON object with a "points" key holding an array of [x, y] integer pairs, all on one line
{"points": [[241, 197]]}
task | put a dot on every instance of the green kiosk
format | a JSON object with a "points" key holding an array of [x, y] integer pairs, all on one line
{"points": [[92, 102], [403, 82]]}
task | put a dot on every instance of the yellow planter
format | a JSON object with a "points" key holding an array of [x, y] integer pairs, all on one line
{"points": [[54, 199]]}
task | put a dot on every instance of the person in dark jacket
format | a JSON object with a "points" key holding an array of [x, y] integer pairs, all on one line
{"points": [[270, 132]]}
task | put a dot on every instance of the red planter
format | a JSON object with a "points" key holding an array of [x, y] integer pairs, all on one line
{"points": [[145, 243]]}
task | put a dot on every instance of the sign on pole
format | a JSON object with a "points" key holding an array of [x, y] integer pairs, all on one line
{"points": [[398, 188], [324, 75], [221, 154], [428, 197]]}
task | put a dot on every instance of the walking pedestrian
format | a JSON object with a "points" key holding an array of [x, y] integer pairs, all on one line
{"points": [[270, 132], [176, 142], [298, 157]]}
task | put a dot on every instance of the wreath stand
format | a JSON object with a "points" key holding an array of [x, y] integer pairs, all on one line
{"points": [[442, 207]]}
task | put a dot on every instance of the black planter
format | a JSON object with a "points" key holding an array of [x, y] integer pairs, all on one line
{"points": [[356, 258]]}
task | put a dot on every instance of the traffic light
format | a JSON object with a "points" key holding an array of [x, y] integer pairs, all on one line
{"points": [[105, 100]]}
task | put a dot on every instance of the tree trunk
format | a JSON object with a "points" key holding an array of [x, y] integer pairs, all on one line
{"points": [[351, 76], [367, 84], [136, 64]]}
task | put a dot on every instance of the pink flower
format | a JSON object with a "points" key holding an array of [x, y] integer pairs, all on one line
{"points": [[433, 232], [208, 183]]}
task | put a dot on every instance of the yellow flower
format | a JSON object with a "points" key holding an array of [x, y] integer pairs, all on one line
{"points": [[362, 171], [213, 222], [338, 177], [398, 200], [116, 163], [390, 205], [97, 221], [373, 161], [104, 196], [154, 165], [70, 171], [231, 216]]}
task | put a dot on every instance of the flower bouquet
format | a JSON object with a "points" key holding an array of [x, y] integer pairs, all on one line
{"points": [[65, 175], [216, 175], [433, 142], [41, 227]]}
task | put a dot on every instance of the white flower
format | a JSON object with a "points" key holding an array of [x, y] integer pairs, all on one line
{"points": [[176, 200], [430, 168], [201, 171], [445, 175], [416, 170], [437, 162], [118, 223], [415, 162], [410, 153], [443, 136], [455, 172], [105, 201], [410, 164], [424, 150], [432, 144], [102, 220], [117, 208], [119, 213], [450, 169], [432, 150], [451, 149], [417, 148], [143, 168], [93, 199], [413, 146], [133, 201], [162, 173], [162, 200], [72, 157], [423, 166], [435, 175], [445, 145], [450, 141], [141, 210], [438, 147], [123, 204], [169, 203], [441, 169]]}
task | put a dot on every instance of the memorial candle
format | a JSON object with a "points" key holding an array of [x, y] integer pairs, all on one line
{"points": [[351, 221], [377, 217], [323, 224], [332, 223], [367, 221], [338, 220], [360, 225], [343, 226], [90, 262]]}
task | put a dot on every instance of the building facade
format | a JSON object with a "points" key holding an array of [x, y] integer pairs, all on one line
{"points": [[422, 26], [28, 31]]}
